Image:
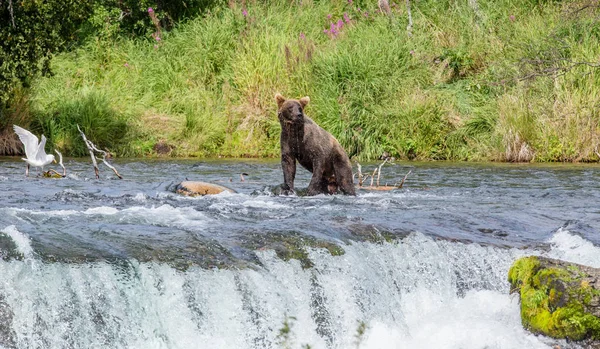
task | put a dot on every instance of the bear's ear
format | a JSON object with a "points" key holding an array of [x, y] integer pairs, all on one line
{"points": [[304, 101], [280, 100]]}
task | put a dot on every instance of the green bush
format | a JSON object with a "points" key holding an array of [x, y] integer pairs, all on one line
{"points": [[101, 123]]}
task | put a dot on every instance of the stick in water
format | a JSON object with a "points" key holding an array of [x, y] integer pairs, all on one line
{"points": [[60, 162], [403, 179], [373, 176], [360, 175], [91, 148], [379, 170]]}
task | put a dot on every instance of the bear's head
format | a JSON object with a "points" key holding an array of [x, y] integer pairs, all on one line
{"points": [[291, 110]]}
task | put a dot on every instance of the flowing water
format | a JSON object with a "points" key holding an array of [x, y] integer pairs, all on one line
{"points": [[110, 263]]}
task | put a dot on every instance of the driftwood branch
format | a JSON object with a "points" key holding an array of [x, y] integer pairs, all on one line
{"points": [[373, 176], [60, 162], [379, 170], [104, 155], [360, 175], [399, 185], [92, 148]]}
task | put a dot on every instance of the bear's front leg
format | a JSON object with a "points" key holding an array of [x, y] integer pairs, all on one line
{"points": [[288, 165]]}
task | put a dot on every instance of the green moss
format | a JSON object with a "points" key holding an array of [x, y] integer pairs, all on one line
{"points": [[554, 300], [521, 270]]}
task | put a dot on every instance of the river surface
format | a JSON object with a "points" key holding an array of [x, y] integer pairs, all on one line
{"points": [[111, 263]]}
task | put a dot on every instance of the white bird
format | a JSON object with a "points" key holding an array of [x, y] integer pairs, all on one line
{"points": [[34, 151]]}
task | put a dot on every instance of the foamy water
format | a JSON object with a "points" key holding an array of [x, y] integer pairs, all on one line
{"points": [[416, 293], [21, 240]]}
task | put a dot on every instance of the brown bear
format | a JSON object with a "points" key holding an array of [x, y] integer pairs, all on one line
{"points": [[314, 148]]}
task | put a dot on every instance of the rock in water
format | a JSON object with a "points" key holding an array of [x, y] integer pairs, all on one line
{"points": [[195, 188], [558, 299]]}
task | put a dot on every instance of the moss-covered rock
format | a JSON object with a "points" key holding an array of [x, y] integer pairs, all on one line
{"points": [[558, 299]]}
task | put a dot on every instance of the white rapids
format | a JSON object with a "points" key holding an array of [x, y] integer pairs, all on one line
{"points": [[416, 293]]}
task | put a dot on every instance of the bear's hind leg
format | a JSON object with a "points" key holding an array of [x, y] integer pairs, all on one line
{"points": [[318, 184]]}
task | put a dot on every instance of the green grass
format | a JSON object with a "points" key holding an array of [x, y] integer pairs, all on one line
{"points": [[500, 83]]}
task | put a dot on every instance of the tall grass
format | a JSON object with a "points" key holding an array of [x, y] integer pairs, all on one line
{"points": [[508, 80]]}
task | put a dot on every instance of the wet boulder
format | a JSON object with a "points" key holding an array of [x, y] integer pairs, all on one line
{"points": [[196, 188], [558, 299]]}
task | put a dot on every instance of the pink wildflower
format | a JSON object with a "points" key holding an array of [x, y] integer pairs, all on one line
{"points": [[329, 16], [346, 18], [302, 36], [333, 30], [245, 12], [512, 18], [150, 10]]}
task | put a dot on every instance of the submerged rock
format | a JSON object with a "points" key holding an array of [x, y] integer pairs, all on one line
{"points": [[196, 188], [289, 245], [558, 299]]}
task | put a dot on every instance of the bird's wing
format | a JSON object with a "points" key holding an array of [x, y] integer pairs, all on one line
{"points": [[29, 140], [41, 152]]}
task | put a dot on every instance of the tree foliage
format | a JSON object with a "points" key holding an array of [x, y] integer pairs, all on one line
{"points": [[31, 31]]}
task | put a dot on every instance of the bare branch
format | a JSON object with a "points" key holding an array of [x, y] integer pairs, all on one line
{"points": [[60, 162], [379, 170], [91, 148], [403, 179], [373, 176], [360, 175]]}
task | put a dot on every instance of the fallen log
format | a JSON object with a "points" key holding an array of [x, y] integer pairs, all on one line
{"points": [[196, 188], [558, 299]]}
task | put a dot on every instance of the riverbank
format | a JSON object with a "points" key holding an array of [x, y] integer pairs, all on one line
{"points": [[479, 80]]}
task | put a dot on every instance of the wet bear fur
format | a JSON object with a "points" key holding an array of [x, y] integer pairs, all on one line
{"points": [[314, 148]]}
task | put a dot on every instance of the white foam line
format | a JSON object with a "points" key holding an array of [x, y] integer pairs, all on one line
{"points": [[21, 240]]}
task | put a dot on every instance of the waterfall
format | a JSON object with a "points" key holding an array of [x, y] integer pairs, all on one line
{"points": [[414, 293]]}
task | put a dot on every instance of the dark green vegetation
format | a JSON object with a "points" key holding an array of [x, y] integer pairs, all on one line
{"points": [[558, 299], [477, 80]]}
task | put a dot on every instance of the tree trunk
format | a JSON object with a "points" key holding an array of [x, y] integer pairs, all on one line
{"points": [[558, 299]]}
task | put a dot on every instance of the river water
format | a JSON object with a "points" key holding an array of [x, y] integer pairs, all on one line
{"points": [[111, 263]]}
